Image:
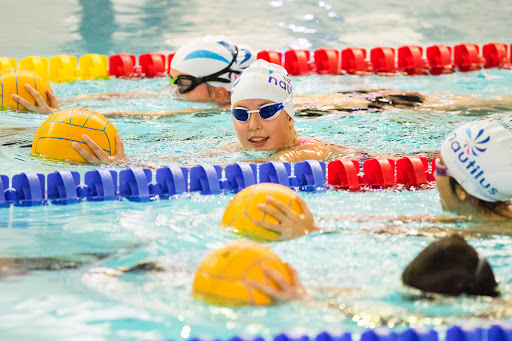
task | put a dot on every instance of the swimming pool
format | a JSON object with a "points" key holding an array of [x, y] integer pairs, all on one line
{"points": [[364, 250]]}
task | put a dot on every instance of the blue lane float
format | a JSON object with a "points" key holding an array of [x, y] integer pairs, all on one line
{"points": [[62, 187], [29, 189], [241, 175], [456, 333], [100, 185], [418, 335], [311, 175], [134, 184], [142, 185], [499, 333], [173, 180]]}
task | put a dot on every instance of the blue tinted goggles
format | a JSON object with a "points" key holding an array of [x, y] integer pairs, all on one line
{"points": [[266, 112]]}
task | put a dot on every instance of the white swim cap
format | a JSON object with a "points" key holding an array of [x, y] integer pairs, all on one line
{"points": [[264, 80], [207, 55], [479, 156]]}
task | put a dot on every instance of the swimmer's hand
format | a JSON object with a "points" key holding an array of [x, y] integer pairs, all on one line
{"points": [[41, 106], [290, 224], [98, 155], [285, 291]]}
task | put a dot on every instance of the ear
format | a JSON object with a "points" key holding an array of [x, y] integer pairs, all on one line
{"points": [[220, 95], [461, 194]]}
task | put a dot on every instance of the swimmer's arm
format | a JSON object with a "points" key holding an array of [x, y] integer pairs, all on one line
{"points": [[417, 218], [176, 112], [107, 96], [466, 102], [329, 103]]}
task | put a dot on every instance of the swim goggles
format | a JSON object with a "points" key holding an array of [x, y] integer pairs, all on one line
{"points": [[187, 83], [441, 169], [266, 112]]}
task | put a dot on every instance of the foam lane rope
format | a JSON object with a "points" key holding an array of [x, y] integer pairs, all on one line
{"points": [[141, 184], [455, 333], [407, 60]]}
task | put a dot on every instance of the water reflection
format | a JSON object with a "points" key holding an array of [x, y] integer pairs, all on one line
{"points": [[97, 26]]}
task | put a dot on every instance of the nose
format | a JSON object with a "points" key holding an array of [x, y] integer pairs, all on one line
{"points": [[254, 121]]}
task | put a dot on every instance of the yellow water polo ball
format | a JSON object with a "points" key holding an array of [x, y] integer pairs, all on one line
{"points": [[13, 80], [223, 275], [54, 137], [242, 211]]}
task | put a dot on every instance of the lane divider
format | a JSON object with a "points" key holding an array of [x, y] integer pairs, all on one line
{"points": [[406, 60], [455, 333], [142, 185]]}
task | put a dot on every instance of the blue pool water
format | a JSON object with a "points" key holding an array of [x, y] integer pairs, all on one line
{"points": [[365, 247]]}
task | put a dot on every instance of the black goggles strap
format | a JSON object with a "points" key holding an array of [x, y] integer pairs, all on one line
{"points": [[215, 76]]}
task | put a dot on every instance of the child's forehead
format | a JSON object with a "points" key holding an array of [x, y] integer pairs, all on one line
{"points": [[250, 103]]}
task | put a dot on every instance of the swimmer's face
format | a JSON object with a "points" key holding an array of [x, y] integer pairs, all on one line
{"points": [[264, 135], [200, 94]]}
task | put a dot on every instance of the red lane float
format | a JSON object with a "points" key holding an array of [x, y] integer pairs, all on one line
{"points": [[411, 61], [383, 59], [466, 57], [271, 57], [343, 174], [296, 62], [440, 59], [327, 61], [152, 64], [121, 65], [412, 170], [380, 172], [353, 61], [495, 55]]}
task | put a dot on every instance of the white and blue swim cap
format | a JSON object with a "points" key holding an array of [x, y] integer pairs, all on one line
{"points": [[264, 80], [207, 55], [479, 157]]}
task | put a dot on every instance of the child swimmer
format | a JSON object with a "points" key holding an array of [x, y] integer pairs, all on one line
{"points": [[263, 117], [474, 170]]}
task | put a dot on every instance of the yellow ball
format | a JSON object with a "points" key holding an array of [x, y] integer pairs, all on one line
{"points": [[54, 137], [12, 81], [242, 211], [223, 274]]}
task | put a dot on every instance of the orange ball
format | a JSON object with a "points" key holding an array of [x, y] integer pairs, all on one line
{"points": [[242, 211], [223, 275], [54, 137], [12, 81]]}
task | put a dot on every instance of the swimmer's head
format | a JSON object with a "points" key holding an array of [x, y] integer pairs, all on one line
{"points": [[206, 65], [451, 266], [259, 98], [477, 156], [264, 80]]}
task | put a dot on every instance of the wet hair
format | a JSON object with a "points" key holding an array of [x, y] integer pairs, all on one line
{"points": [[451, 266], [486, 206]]}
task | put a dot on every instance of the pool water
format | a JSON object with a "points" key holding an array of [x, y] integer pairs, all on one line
{"points": [[352, 268]]}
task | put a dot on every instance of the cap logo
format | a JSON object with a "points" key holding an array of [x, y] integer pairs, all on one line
{"points": [[205, 54], [476, 144]]}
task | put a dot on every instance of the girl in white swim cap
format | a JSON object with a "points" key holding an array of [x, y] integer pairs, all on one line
{"points": [[263, 117], [474, 171]]}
